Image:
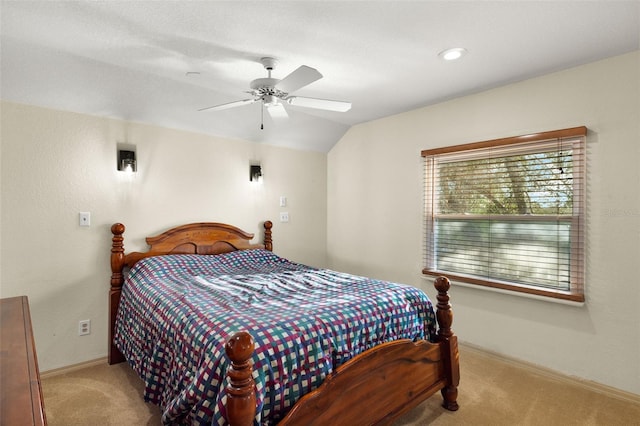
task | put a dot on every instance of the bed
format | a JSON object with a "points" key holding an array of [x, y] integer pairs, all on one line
{"points": [[208, 354]]}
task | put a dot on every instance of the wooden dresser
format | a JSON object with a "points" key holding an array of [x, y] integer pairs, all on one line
{"points": [[20, 391]]}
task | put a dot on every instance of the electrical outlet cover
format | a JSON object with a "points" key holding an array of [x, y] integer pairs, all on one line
{"points": [[84, 327]]}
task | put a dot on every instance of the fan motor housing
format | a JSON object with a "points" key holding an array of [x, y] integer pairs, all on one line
{"points": [[259, 83], [265, 88]]}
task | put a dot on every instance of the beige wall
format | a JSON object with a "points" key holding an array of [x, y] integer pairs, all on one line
{"points": [[56, 164], [364, 199], [375, 215]]}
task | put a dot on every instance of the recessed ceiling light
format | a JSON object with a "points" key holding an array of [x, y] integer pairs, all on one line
{"points": [[453, 53]]}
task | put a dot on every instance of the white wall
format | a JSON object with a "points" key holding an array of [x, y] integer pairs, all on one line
{"points": [[375, 215], [56, 164]]}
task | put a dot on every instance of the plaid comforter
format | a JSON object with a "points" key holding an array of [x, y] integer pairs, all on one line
{"points": [[178, 311]]}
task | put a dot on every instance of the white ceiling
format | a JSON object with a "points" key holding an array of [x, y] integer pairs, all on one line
{"points": [[130, 59]]}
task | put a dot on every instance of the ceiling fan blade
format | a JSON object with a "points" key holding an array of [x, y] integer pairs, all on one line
{"points": [[229, 105], [299, 78], [339, 106], [277, 111]]}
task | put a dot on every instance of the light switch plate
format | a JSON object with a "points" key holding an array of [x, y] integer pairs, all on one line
{"points": [[85, 219]]}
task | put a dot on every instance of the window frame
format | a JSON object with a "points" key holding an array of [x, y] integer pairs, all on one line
{"points": [[577, 137]]}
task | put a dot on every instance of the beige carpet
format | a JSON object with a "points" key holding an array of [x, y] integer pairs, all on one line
{"points": [[492, 392]]}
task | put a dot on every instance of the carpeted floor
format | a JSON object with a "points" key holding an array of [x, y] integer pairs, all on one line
{"points": [[492, 392]]}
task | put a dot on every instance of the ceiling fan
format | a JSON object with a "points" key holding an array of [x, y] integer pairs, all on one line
{"points": [[274, 93]]}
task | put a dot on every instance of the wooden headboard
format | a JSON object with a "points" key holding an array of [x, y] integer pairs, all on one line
{"points": [[204, 238]]}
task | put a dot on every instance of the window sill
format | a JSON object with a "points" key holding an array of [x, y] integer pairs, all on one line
{"points": [[456, 282]]}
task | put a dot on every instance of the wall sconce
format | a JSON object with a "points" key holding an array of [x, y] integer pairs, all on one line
{"points": [[127, 161], [255, 173]]}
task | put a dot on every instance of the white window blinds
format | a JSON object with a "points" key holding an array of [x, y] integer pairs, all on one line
{"points": [[509, 213]]}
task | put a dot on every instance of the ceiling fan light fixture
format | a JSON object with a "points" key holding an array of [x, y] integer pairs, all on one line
{"points": [[269, 100], [274, 93], [453, 53]]}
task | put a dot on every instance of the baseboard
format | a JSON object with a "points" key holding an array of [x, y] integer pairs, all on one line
{"points": [[554, 375], [71, 368]]}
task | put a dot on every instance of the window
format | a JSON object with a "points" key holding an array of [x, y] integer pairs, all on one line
{"points": [[509, 213]]}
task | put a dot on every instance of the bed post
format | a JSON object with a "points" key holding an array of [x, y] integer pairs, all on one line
{"points": [[449, 343], [117, 264], [241, 394], [268, 242]]}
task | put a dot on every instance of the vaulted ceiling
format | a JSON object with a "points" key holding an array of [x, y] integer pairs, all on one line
{"points": [[159, 62]]}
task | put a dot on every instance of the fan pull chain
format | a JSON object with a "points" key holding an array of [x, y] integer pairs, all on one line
{"points": [[261, 117]]}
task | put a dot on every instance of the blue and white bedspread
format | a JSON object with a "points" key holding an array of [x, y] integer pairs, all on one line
{"points": [[178, 311]]}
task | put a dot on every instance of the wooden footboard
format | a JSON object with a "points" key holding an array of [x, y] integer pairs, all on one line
{"points": [[372, 388]]}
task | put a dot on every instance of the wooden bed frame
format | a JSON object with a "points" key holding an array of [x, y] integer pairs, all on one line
{"points": [[375, 387]]}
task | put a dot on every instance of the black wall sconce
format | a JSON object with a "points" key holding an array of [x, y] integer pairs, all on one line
{"points": [[255, 173], [127, 161]]}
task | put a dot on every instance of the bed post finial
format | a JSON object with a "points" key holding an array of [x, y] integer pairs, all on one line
{"points": [[241, 394], [444, 313], [117, 264], [268, 242], [117, 255], [449, 342]]}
